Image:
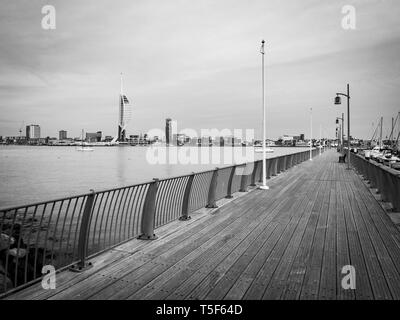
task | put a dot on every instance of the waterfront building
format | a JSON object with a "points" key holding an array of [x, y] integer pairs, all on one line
{"points": [[206, 141], [219, 141], [33, 132], [62, 135], [134, 139], [93, 137]]}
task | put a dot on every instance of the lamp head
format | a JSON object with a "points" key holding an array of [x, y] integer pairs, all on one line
{"points": [[338, 100]]}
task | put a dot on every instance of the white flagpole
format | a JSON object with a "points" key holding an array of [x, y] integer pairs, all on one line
{"points": [[264, 162]]}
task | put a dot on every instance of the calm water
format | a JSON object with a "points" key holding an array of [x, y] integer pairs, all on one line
{"points": [[36, 173]]}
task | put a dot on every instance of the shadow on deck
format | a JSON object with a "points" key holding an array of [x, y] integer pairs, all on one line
{"points": [[290, 242]]}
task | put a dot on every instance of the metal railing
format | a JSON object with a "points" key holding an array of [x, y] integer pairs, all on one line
{"points": [[67, 232], [386, 180]]}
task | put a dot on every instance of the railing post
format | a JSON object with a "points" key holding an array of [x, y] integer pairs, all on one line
{"points": [[268, 167], [83, 265], [211, 203], [253, 174], [371, 175], [243, 187], [149, 212], [229, 195], [279, 160], [186, 197], [382, 183], [395, 190], [284, 164], [275, 166], [290, 161]]}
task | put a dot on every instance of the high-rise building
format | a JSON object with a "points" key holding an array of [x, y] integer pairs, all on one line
{"points": [[62, 135], [125, 112], [168, 131], [33, 132]]}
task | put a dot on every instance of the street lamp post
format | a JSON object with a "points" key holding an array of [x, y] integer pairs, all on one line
{"points": [[264, 161], [338, 101], [341, 131]]}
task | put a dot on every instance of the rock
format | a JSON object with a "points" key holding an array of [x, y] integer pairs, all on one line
{"points": [[6, 241], [15, 252], [5, 282]]}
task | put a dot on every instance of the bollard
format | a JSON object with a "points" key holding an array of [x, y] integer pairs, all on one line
{"points": [[211, 203], [186, 197], [229, 195], [82, 265], [149, 212]]}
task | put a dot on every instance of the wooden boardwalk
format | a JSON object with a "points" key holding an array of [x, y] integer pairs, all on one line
{"points": [[290, 242]]}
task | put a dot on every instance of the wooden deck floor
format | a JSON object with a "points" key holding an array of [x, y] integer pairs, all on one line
{"points": [[290, 242]]}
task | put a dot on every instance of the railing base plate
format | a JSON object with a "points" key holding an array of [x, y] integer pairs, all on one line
{"points": [[77, 268], [146, 237], [212, 206]]}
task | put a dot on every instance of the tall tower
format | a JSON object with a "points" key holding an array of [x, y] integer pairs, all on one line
{"points": [[124, 117], [168, 131]]}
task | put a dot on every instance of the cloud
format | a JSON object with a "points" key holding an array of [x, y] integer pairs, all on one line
{"points": [[197, 62]]}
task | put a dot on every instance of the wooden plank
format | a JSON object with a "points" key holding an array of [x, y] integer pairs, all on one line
{"points": [[311, 281], [327, 288], [387, 277], [128, 283], [279, 282], [342, 247], [261, 281], [364, 290], [302, 261]]}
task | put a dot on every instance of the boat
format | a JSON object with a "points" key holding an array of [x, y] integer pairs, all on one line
{"points": [[82, 147]]}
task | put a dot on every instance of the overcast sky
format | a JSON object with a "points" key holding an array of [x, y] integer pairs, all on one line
{"points": [[197, 62]]}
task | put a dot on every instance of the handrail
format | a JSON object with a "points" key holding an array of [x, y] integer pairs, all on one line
{"points": [[68, 231], [386, 180]]}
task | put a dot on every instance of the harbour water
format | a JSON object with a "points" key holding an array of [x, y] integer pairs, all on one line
{"points": [[38, 173]]}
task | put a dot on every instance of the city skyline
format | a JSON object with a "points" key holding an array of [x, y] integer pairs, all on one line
{"points": [[202, 68]]}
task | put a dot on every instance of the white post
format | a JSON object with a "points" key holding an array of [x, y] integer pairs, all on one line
{"points": [[311, 135], [264, 162]]}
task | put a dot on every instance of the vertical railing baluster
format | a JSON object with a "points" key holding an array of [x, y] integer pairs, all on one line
{"points": [[253, 174], [229, 193], [149, 211], [211, 202], [84, 235], [243, 180], [186, 197]]}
